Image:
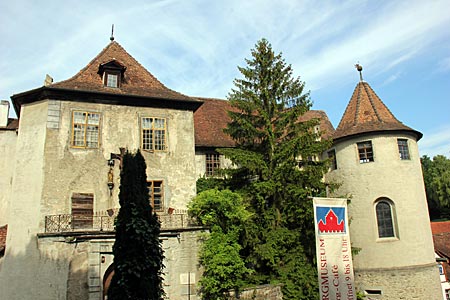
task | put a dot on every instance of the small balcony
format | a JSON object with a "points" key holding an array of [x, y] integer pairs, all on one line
{"points": [[104, 222]]}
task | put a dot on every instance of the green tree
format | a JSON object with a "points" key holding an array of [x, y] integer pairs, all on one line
{"points": [[138, 255], [436, 175], [224, 268], [277, 171]]}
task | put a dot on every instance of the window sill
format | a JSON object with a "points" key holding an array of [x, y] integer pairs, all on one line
{"points": [[387, 239]]}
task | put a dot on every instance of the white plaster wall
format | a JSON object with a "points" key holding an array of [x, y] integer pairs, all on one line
{"points": [[399, 180], [21, 271], [8, 139]]}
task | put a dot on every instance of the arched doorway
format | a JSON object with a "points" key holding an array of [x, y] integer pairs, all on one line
{"points": [[109, 273]]}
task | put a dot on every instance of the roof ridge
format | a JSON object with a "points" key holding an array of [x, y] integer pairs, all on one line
{"points": [[385, 106], [365, 85]]}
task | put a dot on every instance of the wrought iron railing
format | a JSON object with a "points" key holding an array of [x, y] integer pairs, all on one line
{"points": [[71, 223]]}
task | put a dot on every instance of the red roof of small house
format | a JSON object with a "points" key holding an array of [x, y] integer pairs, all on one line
{"points": [[441, 240], [366, 113], [440, 227], [441, 237], [212, 117]]}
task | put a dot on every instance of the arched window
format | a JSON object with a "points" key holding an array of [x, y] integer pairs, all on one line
{"points": [[385, 219]]}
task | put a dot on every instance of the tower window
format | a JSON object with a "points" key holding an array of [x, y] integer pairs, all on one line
{"points": [[385, 219], [365, 152], [403, 149]]}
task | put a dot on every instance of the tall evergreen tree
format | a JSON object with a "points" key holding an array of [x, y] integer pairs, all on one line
{"points": [[138, 255], [278, 170]]}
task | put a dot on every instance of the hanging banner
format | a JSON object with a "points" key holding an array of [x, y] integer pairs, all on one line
{"points": [[334, 255]]}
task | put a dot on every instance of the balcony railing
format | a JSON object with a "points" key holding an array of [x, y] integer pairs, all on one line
{"points": [[70, 223]]}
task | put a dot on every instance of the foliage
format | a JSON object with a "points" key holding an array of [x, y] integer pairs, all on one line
{"points": [[138, 255], [207, 183], [272, 138], [436, 175], [222, 208], [224, 269]]}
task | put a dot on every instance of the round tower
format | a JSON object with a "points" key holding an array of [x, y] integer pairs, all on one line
{"points": [[377, 163]]}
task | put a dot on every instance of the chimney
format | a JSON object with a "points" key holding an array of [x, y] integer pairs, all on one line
{"points": [[48, 80], [4, 112]]}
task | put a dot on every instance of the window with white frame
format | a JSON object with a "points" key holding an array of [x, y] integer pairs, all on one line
{"points": [[403, 149], [385, 218], [112, 79], [365, 152], [85, 129], [153, 134]]}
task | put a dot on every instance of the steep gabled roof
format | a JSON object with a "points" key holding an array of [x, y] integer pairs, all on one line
{"points": [[136, 79], [366, 113], [138, 87], [212, 117]]}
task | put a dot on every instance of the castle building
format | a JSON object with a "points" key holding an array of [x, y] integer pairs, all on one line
{"points": [[377, 163], [60, 167]]}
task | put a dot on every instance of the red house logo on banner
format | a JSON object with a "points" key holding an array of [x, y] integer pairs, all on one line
{"points": [[331, 224]]}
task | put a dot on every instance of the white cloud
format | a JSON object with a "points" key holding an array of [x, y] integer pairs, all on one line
{"points": [[436, 142]]}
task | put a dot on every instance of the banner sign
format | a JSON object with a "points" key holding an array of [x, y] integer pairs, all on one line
{"points": [[334, 255]]}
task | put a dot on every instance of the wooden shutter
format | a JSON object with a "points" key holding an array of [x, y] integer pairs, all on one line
{"points": [[82, 210]]}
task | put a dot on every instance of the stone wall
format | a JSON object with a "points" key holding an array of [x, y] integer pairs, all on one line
{"points": [[263, 292], [397, 284]]}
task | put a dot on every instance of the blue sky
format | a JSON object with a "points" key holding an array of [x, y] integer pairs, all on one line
{"points": [[195, 46]]}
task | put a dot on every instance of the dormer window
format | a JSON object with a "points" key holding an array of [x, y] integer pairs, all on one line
{"points": [[111, 80], [112, 73]]}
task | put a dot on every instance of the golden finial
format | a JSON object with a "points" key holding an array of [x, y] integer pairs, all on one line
{"points": [[359, 68]]}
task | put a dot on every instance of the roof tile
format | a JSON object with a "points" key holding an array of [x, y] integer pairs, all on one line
{"points": [[367, 113], [136, 79], [212, 117]]}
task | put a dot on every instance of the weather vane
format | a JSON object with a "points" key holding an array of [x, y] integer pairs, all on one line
{"points": [[359, 68], [112, 33]]}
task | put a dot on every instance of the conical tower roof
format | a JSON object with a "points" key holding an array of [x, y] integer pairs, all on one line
{"points": [[366, 113]]}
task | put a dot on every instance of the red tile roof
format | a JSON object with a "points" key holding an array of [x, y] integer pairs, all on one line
{"points": [[441, 237], [440, 227], [367, 113], [138, 87], [209, 121], [136, 80], [212, 117]]}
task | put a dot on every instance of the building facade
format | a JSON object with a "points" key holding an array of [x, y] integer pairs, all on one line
{"points": [[60, 167]]}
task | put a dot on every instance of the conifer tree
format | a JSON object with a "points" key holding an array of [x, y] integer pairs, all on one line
{"points": [[278, 170], [138, 255]]}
